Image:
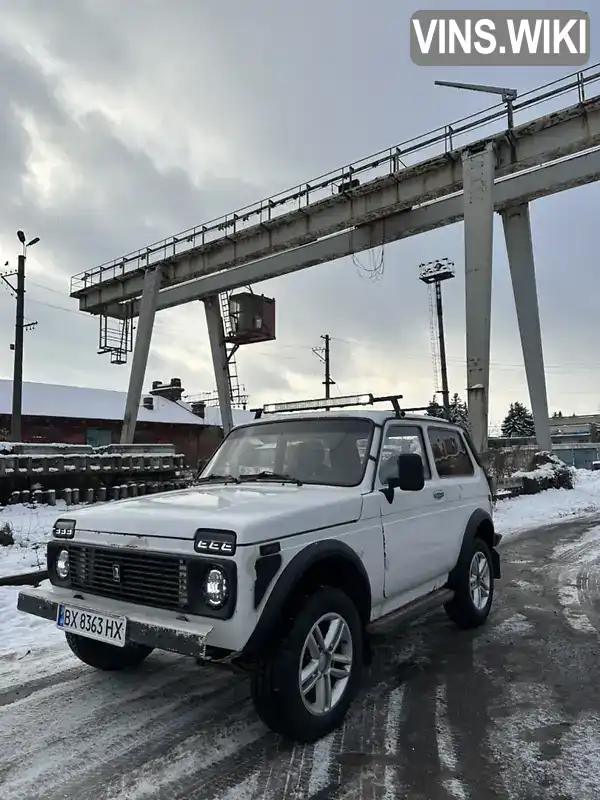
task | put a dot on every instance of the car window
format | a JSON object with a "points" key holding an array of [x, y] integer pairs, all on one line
{"points": [[401, 439], [330, 451], [450, 453]]}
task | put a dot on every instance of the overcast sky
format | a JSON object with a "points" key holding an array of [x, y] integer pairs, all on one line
{"points": [[125, 122]]}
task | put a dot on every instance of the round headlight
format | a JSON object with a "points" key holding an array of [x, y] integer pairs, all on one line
{"points": [[215, 588], [62, 565]]}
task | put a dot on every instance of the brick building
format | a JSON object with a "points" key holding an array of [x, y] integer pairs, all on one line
{"points": [[78, 415]]}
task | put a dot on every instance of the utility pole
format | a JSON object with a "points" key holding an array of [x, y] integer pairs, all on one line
{"points": [[433, 273], [17, 398], [327, 380], [323, 353]]}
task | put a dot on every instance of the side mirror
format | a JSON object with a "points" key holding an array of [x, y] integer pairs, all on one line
{"points": [[409, 477], [411, 474]]}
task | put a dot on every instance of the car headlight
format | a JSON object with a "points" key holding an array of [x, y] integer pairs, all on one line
{"points": [[62, 565], [216, 589]]}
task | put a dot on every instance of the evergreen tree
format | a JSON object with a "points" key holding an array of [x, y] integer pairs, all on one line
{"points": [[518, 421], [459, 413], [434, 409]]}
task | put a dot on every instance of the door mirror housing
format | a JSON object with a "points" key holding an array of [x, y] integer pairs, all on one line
{"points": [[409, 477], [411, 474]]}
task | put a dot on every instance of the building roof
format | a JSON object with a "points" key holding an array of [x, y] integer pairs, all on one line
{"points": [[79, 402]]}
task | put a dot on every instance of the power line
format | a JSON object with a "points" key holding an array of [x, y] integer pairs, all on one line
{"points": [[592, 365], [564, 369]]}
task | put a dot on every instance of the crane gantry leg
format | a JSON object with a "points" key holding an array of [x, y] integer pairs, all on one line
{"points": [[519, 246], [152, 279], [478, 185], [218, 348]]}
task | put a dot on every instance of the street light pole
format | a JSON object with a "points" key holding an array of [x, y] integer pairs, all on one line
{"points": [[508, 95], [17, 398]]}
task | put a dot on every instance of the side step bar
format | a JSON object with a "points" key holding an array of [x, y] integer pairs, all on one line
{"points": [[410, 611]]}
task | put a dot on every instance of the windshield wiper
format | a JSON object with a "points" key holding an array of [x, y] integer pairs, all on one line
{"points": [[274, 476], [214, 477]]}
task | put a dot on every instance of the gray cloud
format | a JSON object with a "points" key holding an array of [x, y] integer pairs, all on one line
{"points": [[159, 117]]}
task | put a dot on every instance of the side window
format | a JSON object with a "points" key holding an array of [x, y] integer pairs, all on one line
{"points": [[450, 453], [401, 439]]}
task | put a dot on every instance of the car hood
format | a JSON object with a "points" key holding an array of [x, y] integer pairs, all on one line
{"points": [[259, 511]]}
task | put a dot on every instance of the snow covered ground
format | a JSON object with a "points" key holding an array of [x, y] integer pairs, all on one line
{"points": [[519, 514], [31, 527]]}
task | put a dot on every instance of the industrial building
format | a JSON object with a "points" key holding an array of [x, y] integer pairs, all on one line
{"points": [[80, 415]]}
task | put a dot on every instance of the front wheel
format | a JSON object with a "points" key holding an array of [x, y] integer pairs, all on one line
{"points": [[473, 589], [303, 688], [107, 657]]}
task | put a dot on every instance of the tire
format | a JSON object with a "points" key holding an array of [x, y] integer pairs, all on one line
{"points": [[107, 657], [464, 609], [276, 691]]}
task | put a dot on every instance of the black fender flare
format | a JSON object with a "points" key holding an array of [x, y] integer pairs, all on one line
{"points": [[290, 578], [478, 517]]}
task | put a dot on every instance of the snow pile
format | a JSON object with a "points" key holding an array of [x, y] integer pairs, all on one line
{"points": [[31, 527], [546, 471], [541, 472], [553, 505]]}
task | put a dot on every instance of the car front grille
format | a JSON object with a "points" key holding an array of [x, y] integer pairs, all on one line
{"points": [[149, 579]]}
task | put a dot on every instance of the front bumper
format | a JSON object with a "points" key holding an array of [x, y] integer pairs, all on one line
{"points": [[151, 627]]}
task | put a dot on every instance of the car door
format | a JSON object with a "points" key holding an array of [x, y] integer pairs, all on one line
{"points": [[459, 486], [410, 532]]}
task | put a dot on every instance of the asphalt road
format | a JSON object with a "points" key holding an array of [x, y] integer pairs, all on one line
{"points": [[509, 711]]}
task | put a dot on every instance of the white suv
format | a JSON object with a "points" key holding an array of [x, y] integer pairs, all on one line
{"points": [[355, 522]]}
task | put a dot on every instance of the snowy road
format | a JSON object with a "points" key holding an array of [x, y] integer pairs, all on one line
{"points": [[510, 711]]}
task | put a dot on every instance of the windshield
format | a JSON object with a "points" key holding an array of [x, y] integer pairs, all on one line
{"points": [[330, 451]]}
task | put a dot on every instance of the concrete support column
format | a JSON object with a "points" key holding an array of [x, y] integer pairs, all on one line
{"points": [[478, 185], [141, 351], [517, 233], [216, 335]]}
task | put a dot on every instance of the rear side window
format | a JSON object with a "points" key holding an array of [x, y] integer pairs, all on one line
{"points": [[450, 453]]}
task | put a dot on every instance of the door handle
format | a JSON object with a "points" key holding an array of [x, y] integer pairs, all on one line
{"points": [[438, 495]]}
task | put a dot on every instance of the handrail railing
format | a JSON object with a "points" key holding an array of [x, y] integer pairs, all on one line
{"points": [[310, 192]]}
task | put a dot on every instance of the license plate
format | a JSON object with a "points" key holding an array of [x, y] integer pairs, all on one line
{"points": [[102, 627]]}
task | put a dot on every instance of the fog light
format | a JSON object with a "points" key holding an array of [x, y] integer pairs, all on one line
{"points": [[62, 565], [216, 589]]}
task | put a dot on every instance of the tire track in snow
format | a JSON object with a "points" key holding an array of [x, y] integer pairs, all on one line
{"points": [[447, 748], [578, 564], [22, 691], [392, 727], [191, 734], [542, 682], [128, 720], [418, 729]]}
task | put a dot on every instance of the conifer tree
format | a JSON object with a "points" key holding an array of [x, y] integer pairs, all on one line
{"points": [[518, 421]]}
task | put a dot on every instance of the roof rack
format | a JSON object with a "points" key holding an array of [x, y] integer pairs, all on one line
{"points": [[330, 402]]}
